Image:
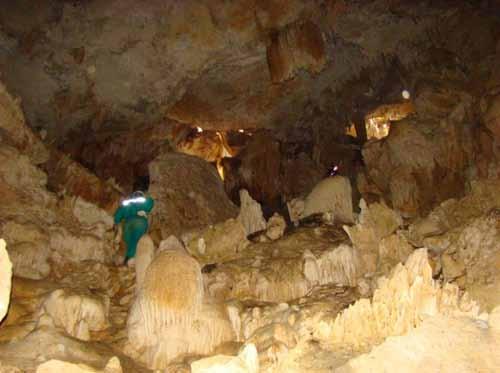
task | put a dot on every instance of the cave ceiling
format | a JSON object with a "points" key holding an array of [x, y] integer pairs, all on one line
{"points": [[120, 64]]}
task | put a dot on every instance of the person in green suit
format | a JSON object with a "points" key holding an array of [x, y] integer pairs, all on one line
{"points": [[133, 212]]}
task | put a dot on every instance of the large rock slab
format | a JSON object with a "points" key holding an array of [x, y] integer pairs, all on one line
{"points": [[188, 194]]}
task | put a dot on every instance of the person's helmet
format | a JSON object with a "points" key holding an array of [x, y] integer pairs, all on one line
{"points": [[137, 194], [135, 197]]}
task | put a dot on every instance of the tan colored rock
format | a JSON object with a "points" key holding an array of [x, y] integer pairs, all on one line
{"points": [[172, 243], [247, 361], [332, 194], [167, 321], [405, 165], [425, 348], [298, 46], [250, 213], [17, 132], [77, 314], [257, 168], [219, 242], [399, 304], [283, 270], [143, 258], [5, 280], [58, 366], [483, 196], [295, 209], [474, 252], [494, 319], [70, 177], [31, 259], [77, 245], [392, 250], [276, 226], [188, 195], [376, 222]]}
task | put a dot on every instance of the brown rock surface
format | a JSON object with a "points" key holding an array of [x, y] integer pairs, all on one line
{"points": [[188, 194]]}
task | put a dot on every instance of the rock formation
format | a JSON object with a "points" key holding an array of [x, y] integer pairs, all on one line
{"points": [[250, 213], [170, 317], [5, 284], [188, 193], [315, 106]]}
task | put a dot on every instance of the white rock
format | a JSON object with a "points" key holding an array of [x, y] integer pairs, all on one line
{"points": [[77, 314], [250, 213], [5, 280]]}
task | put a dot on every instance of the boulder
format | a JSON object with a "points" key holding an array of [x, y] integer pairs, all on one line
{"points": [[188, 195], [217, 243], [78, 314], [333, 194]]}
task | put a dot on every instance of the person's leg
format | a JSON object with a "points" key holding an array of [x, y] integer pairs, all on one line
{"points": [[133, 233]]}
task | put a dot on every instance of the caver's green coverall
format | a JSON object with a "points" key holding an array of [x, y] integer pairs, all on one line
{"points": [[135, 223]]}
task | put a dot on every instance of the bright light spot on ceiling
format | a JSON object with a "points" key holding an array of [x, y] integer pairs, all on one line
{"points": [[199, 129], [406, 94], [241, 131]]}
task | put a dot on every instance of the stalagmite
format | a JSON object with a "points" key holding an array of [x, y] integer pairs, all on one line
{"points": [[169, 317]]}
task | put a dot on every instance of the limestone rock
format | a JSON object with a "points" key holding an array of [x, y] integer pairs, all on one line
{"points": [[18, 134], [425, 348], [376, 222], [276, 226], [404, 165], [58, 366], [46, 343], [295, 209], [281, 270], [77, 314], [297, 46], [483, 196], [5, 280], [79, 245], [68, 176], [391, 312], [188, 195], [247, 361], [474, 252], [332, 194], [392, 250], [31, 260], [169, 317], [219, 242], [257, 169], [250, 213], [143, 258], [172, 243]]}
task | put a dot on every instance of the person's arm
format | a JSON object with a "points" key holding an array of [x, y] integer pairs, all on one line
{"points": [[118, 215]]}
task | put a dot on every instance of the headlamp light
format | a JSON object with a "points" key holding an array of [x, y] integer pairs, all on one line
{"points": [[133, 200]]}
